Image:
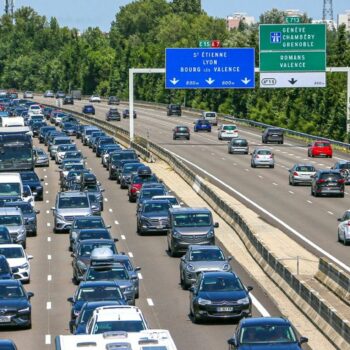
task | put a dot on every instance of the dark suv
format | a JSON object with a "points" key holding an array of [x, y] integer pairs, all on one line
{"points": [[272, 135], [113, 114], [181, 131], [173, 109], [328, 182]]}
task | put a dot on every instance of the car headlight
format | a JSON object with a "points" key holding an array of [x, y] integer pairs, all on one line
{"points": [[210, 234], [24, 266], [59, 217], [76, 313], [190, 267], [27, 309], [21, 232], [113, 167], [176, 234], [81, 265], [226, 267], [243, 301], [202, 301], [129, 289]]}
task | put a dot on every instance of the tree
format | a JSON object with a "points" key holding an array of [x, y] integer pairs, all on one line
{"points": [[187, 6]]}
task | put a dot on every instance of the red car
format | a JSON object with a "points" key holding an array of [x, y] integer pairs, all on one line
{"points": [[320, 149]]}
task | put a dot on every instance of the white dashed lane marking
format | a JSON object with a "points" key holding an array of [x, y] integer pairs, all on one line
{"points": [[122, 237], [116, 222], [110, 210], [49, 257], [260, 177], [49, 278], [106, 199], [48, 339], [291, 192], [131, 255], [46, 184], [48, 305], [330, 213], [49, 239], [48, 224], [309, 201], [139, 276], [150, 302], [274, 183], [47, 211]]}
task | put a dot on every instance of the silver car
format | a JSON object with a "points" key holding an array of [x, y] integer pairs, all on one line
{"points": [[344, 228], [13, 219], [262, 157], [60, 140], [40, 157], [68, 206], [301, 173], [202, 258], [238, 145]]}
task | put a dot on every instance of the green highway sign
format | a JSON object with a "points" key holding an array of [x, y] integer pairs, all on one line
{"points": [[292, 61], [204, 43], [292, 19], [292, 37]]}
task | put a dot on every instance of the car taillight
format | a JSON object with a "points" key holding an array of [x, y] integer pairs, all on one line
{"points": [[321, 181], [257, 156], [295, 173], [348, 223], [341, 181], [271, 155]]}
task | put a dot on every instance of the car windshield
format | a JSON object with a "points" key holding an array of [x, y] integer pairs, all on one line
{"points": [[305, 168], [73, 155], [120, 325], [229, 127], [192, 220], [11, 220], [149, 193], [29, 177], [11, 292], [99, 293], [87, 248], [67, 147], [156, 207], [73, 202], [99, 234], [92, 187], [106, 274], [203, 122], [89, 223], [221, 284], [10, 189], [106, 141], [70, 166], [267, 334], [207, 255], [26, 207], [12, 252], [128, 155], [182, 128]]}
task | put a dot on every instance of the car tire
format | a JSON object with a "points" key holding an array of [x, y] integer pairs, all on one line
{"points": [[29, 325], [342, 195], [172, 252], [252, 165], [75, 280], [339, 239], [196, 319], [272, 166]]}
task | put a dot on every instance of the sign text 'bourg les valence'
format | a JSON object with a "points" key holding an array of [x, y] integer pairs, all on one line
{"points": [[215, 68], [290, 53]]}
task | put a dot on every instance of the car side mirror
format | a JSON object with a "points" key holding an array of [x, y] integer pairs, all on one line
{"points": [[309, 145], [137, 268], [37, 211], [232, 341], [191, 289], [30, 257], [30, 295], [339, 219], [73, 255], [216, 225], [303, 340], [229, 258], [102, 190], [115, 239], [108, 226], [249, 288], [53, 208], [41, 179], [70, 300], [182, 258]]}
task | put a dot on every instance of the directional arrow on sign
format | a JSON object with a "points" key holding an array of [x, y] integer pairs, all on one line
{"points": [[174, 81], [245, 81], [210, 81], [292, 81]]}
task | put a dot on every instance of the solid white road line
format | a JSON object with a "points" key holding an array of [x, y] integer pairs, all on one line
{"points": [[266, 212], [259, 306]]}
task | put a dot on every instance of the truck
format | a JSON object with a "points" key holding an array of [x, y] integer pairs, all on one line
{"points": [[16, 149], [76, 94], [147, 339]]}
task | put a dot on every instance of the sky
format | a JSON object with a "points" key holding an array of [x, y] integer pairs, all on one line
{"points": [[82, 14]]}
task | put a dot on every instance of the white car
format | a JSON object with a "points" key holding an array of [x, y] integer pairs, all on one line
{"points": [[28, 195], [172, 199], [34, 109], [344, 228], [227, 132], [28, 94], [18, 260], [95, 98], [49, 93]]}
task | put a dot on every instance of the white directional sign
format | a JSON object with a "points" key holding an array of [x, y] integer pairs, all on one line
{"points": [[290, 80]]}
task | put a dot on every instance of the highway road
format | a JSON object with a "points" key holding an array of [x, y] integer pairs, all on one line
{"points": [[162, 300], [292, 209]]}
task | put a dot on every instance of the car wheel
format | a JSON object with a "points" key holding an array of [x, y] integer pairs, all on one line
{"points": [[172, 252], [252, 165], [75, 280], [29, 325], [24, 244], [196, 318], [342, 195], [339, 239], [272, 166]]}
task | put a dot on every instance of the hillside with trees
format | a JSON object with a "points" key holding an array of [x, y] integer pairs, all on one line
{"points": [[37, 54]]}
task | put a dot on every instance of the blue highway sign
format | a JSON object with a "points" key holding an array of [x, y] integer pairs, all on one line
{"points": [[221, 68]]}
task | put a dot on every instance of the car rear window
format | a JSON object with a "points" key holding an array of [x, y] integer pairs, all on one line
{"points": [[344, 166], [242, 143], [210, 115], [264, 152], [183, 128], [305, 168], [229, 127], [322, 144], [330, 176]]}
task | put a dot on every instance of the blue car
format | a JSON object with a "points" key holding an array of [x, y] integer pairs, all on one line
{"points": [[88, 109], [265, 333], [202, 125]]}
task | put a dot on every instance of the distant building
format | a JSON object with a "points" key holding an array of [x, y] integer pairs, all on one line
{"points": [[232, 22], [330, 24], [292, 13], [344, 18]]}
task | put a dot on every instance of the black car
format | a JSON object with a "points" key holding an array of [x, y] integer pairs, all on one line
{"points": [[272, 135], [153, 216], [29, 215], [328, 182], [173, 109], [5, 269], [147, 192], [259, 333], [7, 344], [94, 291], [219, 295], [5, 237], [113, 114], [126, 173], [92, 233], [126, 113], [68, 100], [69, 128], [82, 255], [36, 126], [117, 160], [102, 142], [78, 326], [88, 109], [43, 131], [15, 307], [31, 179], [113, 100], [181, 131]]}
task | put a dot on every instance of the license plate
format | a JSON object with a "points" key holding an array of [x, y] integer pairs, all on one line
{"points": [[4, 319], [224, 309], [332, 184]]}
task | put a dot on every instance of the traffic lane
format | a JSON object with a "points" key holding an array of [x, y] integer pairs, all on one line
{"points": [[160, 284]]}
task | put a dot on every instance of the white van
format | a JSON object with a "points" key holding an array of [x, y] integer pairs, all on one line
{"points": [[147, 339], [6, 122], [11, 185], [210, 117]]}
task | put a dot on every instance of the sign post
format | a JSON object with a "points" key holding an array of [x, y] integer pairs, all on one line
{"points": [[290, 53], [215, 68]]}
